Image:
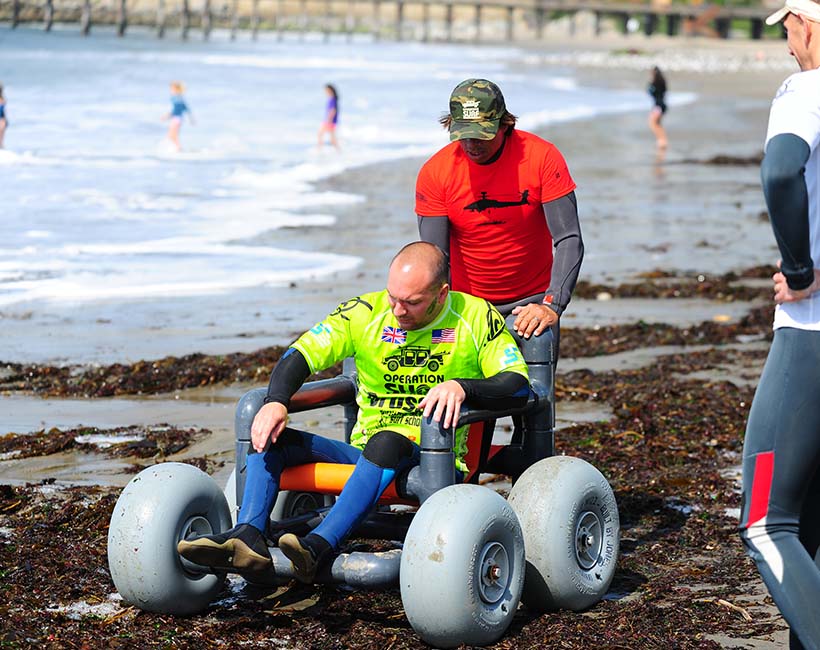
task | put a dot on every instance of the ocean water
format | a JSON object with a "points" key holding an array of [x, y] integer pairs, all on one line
{"points": [[103, 222]]}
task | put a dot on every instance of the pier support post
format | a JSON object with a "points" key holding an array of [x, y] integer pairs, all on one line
{"points": [[672, 24], [122, 18], [399, 19], [756, 28], [448, 21], [477, 32], [234, 18], [15, 13], [650, 23], [85, 18], [425, 21], [510, 17], [255, 20], [722, 26], [350, 20], [596, 28], [160, 18], [377, 20], [539, 23], [327, 21], [185, 20], [206, 19], [303, 20], [624, 23], [279, 19], [48, 15]]}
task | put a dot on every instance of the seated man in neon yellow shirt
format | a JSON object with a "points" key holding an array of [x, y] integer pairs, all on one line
{"points": [[420, 350]]}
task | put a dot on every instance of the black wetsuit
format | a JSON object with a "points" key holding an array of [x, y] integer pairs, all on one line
{"points": [[780, 511], [658, 93]]}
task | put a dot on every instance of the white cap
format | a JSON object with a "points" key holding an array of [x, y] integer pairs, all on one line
{"points": [[806, 8]]}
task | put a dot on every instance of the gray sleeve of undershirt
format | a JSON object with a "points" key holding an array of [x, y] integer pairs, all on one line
{"points": [[568, 245], [436, 230]]}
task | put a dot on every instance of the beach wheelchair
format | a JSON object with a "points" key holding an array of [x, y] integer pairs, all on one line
{"points": [[463, 558]]}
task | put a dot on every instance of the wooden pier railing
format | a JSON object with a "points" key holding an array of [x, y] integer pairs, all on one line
{"points": [[444, 20]]}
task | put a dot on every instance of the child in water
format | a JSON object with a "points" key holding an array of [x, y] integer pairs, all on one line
{"points": [[657, 90], [178, 109], [331, 117], [4, 122]]}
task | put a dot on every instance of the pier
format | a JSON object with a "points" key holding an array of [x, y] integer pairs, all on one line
{"points": [[422, 20]]}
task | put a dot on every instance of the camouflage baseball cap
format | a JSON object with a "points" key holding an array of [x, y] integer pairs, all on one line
{"points": [[476, 108]]}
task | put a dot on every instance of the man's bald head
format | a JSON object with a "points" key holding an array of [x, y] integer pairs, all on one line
{"points": [[419, 257], [417, 284]]}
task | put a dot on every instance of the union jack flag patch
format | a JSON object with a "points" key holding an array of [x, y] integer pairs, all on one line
{"points": [[447, 335], [394, 335]]}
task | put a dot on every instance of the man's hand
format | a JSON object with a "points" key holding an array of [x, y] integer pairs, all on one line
{"points": [[444, 399], [533, 319], [269, 422], [782, 292]]}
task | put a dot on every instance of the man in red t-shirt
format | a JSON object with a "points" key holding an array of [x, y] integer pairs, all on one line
{"points": [[499, 201]]}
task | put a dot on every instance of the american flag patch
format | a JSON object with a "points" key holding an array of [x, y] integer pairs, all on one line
{"points": [[447, 335], [394, 335]]}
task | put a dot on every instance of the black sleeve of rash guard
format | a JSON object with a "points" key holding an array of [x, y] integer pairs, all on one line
{"points": [[502, 391], [562, 220], [287, 377], [787, 198]]}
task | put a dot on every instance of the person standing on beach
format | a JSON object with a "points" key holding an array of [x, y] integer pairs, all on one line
{"points": [[4, 121], [780, 507], [499, 201], [657, 90], [331, 117], [178, 109], [480, 364]]}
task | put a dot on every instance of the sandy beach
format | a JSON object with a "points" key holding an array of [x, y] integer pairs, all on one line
{"points": [[640, 212]]}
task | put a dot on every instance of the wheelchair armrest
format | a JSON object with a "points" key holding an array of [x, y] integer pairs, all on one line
{"points": [[468, 415], [436, 467], [324, 392], [536, 401]]}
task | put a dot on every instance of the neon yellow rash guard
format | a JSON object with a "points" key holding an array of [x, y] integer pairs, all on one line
{"points": [[396, 368]]}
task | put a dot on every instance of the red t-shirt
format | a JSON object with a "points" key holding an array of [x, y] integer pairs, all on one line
{"points": [[500, 246]]}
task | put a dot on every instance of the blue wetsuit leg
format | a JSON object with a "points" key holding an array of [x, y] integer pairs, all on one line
{"points": [[292, 448], [373, 473], [780, 518]]}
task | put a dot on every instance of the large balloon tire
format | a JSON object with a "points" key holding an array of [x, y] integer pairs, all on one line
{"points": [[289, 503], [462, 567], [160, 506], [571, 531]]}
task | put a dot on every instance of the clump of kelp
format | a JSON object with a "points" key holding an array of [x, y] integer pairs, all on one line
{"points": [[682, 578], [666, 284], [139, 441]]}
